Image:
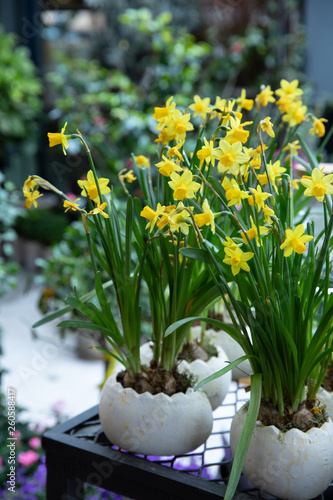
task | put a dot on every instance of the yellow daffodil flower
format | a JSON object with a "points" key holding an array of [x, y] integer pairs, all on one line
{"points": [[318, 127], [178, 124], [265, 96], [206, 153], [165, 219], [295, 241], [201, 107], [258, 197], [226, 108], [230, 157], [89, 187], [152, 215], [267, 126], [183, 185], [268, 213], [72, 205], [178, 220], [318, 184], [163, 137], [234, 194], [31, 197], [226, 183], [256, 156], [316, 410], [295, 113], [237, 132], [55, 139], [162, 114], [142, 161], [253, 233], [242, 102], [237, 259], [174, 151], [292, 147], [99, 210], [229, 243], [206, 218], [29, 185], [284, 103], [129, 177], [289, 89], [274, 172], [295, 183], [166, 167]]}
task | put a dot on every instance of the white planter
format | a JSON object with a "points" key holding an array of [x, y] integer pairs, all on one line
{"points": [[154, 425], [233, 351], [217, 389], [327, 398], [294, 465]]}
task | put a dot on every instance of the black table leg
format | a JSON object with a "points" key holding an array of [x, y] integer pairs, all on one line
{"points": [[60, 485]]}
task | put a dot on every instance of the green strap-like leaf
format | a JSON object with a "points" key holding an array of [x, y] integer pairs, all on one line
{"points": [[233, 332], [196, 253], [75, 323], [109, 353], [221, 372], [66, 309], [245, 436]]}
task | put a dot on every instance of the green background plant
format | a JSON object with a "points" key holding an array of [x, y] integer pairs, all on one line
{"points": [[20, 107], [10, 201]]}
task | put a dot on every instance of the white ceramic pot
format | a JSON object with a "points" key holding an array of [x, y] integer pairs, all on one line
{"points": [[217, 389], [154, 425], [327, 398], [292, 465], [233, 351]]}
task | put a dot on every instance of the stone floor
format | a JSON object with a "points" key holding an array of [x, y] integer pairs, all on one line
{"points": [[43, 368]]}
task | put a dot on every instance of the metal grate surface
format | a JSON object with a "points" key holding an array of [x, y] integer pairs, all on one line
{"points": [[211, 461]]}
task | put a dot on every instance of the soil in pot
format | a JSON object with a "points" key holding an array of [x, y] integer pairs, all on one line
{"points": [[195, 350], [155, 380], [309, 414]]}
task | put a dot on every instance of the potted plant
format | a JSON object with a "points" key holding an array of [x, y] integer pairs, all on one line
{"points": [[266, 246], [120, 246], [247, 225], [186, 286]]}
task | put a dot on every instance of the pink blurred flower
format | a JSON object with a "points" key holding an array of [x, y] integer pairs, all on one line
{"points": [[237, 47], [71, 196], [58, 407], [99, 121], [1, 462], [28, 458], [35, 442], [17, 434]]}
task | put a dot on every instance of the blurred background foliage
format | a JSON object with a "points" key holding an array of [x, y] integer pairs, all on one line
{"points": [[10, 201], [20, 90], [20, 105], [151, 51]]}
